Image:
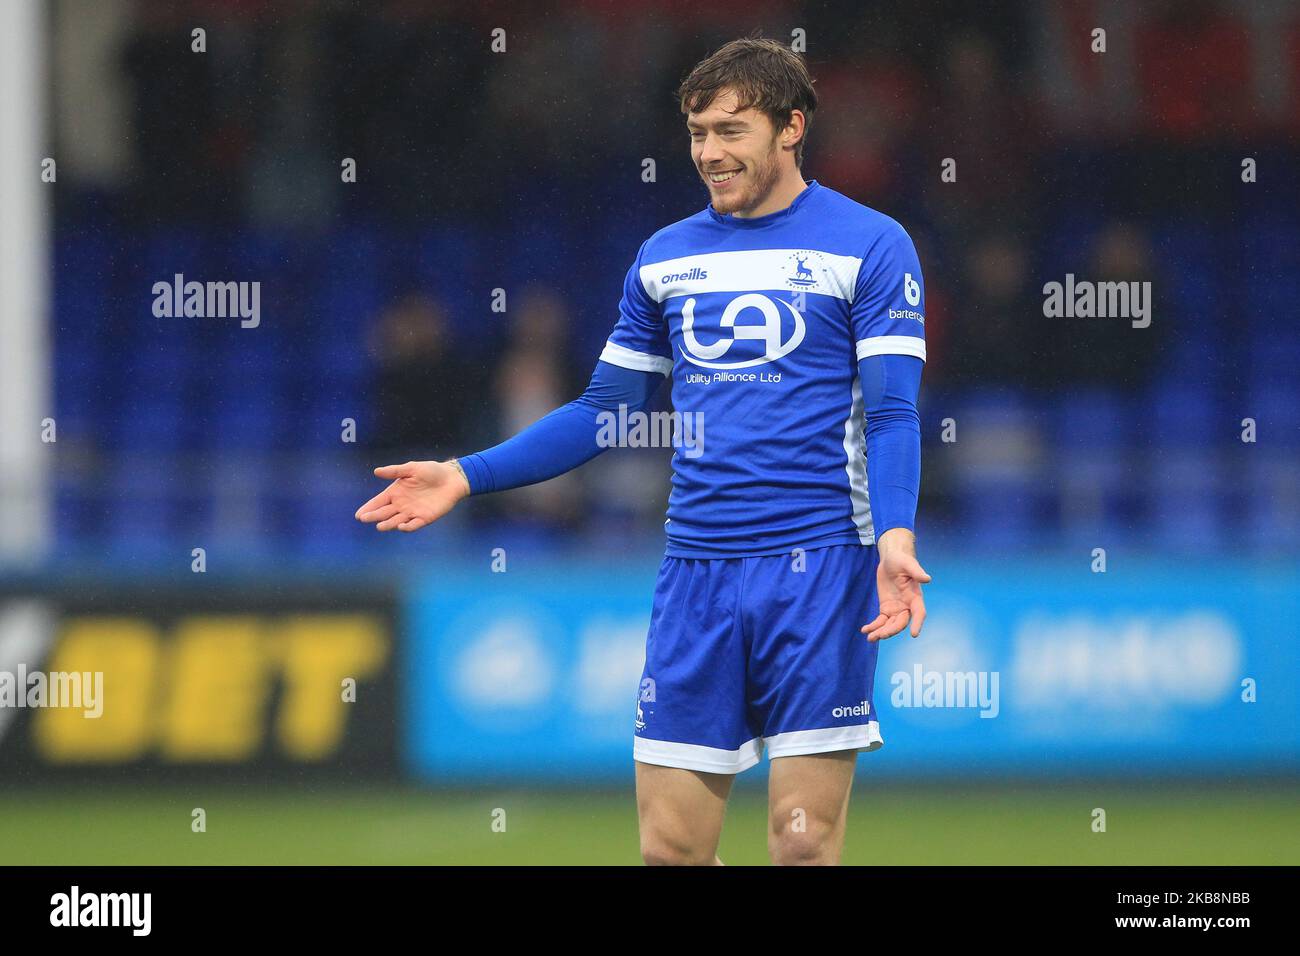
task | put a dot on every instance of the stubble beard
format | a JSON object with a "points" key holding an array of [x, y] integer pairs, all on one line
{"points": [[765, 175]]}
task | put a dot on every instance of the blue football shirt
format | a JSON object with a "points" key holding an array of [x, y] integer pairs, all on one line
{"points": [[760, 323]]}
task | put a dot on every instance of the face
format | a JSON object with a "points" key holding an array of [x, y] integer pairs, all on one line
{"points": [[738, 155]]}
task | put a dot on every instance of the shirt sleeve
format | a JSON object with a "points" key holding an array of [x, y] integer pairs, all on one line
{"points": [[888, 312], [564, 439], [640, 339], [890, 386]]}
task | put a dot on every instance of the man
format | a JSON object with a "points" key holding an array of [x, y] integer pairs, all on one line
{"points": [[783, 312]]}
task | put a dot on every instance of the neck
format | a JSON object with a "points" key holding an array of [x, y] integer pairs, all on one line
{"points": [[786, 190]]}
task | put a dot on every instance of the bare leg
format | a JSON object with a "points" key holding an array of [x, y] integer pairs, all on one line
{"points": [[808, 805], [680, 814]]}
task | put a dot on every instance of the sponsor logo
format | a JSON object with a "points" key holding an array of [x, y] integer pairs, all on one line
{"points": [[694, 275], [861, 709], [769, 332], [911, 289]]}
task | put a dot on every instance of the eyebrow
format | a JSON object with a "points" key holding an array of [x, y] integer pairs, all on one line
{"points": [[721, 124]]}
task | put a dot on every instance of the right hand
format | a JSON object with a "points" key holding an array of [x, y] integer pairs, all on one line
{"points": [[421, 493]]}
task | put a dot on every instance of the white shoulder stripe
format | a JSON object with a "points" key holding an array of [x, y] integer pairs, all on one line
{"points": [[892, 345], [624, 357], [754, 270]]}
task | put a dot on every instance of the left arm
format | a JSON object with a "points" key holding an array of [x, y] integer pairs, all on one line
{"points": [[890, 386], [887, 319]]}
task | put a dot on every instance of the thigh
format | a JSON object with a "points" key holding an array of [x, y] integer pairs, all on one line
{"points": [[680, 814], [808, 803]]}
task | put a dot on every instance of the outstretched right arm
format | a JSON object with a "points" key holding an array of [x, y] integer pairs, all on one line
{"points": [[564, 439], [636, 359], [423, 491]]}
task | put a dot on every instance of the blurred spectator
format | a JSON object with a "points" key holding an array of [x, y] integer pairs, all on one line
{"points": [[1110, 351], [423, 390], [534, 378], [981, 121], [875, 102], [998, 329], [1195, 69], [1122, 166], [184, 154]]}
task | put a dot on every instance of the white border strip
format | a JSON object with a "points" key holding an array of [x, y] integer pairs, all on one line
{"points": [[666, 753], [892, 345], [855, 466], [796, 743], [624, 357], [753, 270]]}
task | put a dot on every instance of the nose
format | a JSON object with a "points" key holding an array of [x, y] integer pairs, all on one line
{"points": [[711, 152]]}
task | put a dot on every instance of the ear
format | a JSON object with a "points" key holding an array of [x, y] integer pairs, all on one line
{"points": [[794, 130]]}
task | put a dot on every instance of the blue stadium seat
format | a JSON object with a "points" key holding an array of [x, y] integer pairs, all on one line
{"points": [[1185, 482], [1093, 464], [995, 462]]}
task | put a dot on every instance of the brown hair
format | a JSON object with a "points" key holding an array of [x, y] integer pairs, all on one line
{"points": [[765, 74]]}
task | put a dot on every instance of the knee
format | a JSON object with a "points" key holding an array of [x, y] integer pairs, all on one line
{"points": [[659, 849], [796, 840]]}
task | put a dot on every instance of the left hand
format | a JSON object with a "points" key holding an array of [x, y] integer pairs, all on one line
{"points": [[898, 583]]}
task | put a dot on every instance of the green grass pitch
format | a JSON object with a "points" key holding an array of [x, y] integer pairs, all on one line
{"points": [[1186, 823]]}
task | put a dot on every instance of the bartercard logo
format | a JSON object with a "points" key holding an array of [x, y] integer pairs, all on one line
{"points": [[911, 289]]}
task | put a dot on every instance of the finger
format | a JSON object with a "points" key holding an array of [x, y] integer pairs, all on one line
{"points": [[918, 615], [379, 514], [415, 524], [393, 471], [388, 524], [383, 498], [916, 571], [874, 624], [889, 628]]}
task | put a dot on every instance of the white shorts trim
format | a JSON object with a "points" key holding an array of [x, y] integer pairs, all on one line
{"points": [[796, 743], [666, 753]]}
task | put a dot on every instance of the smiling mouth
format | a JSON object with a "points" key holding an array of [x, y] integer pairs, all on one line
{"points": [[722, 177]]}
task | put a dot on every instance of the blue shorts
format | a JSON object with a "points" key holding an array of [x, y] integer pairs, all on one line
{"points": [[748, 653]]}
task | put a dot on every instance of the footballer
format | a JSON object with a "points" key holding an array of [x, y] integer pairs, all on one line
{"points": [[792, 319]]}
